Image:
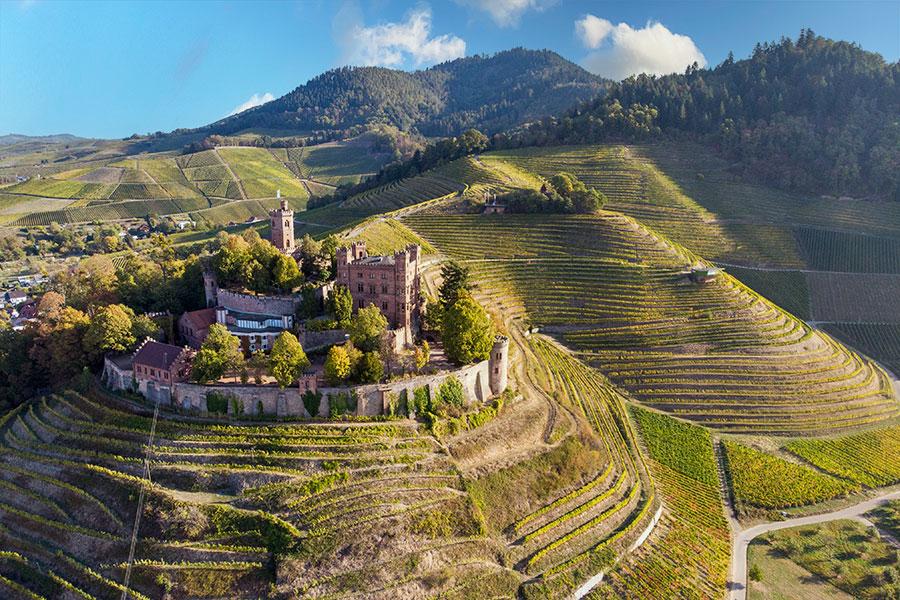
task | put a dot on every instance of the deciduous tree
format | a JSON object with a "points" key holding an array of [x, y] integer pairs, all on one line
{"points": [[467, 333], [366, 328], [337, 365], [287, 360]]}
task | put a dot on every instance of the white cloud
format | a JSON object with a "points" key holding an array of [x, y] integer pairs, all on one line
{"points": [[391, 44], [254, 100], [620, 50], [506, 13]]}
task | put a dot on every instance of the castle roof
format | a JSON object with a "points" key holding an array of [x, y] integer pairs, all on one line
{"points": [[200, 319], [157, 355], [375, 260]]}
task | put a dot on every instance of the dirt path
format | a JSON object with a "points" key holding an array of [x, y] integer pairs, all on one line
{"points": [[786, 270], [737, 584]]}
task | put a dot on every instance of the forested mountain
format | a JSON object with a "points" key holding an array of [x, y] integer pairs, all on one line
{"points": [[491, 93], [812, 114]]}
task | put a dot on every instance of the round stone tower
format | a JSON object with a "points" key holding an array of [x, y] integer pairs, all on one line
{"points": [[499, 365]]}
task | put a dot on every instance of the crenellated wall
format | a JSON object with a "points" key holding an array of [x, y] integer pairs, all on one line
{"points": [[258, 305], [372, 399]]}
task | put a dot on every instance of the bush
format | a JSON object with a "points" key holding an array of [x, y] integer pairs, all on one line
{"points": [[450, 394], [371, 369], [321, 324], [755, 573], [311, 402], [421, 403], [341, 404], [216, 403]]}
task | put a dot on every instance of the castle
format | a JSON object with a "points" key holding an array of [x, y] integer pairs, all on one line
{"points": [[281, 221], [389, 282]]}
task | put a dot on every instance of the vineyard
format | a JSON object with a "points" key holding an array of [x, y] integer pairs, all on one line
{"points": [[229, 506], [762, 480], [787, 289], [881, 341], [855, 297], [868, 458], [386, 236], [615, 292], [154, 184], [260, 173], [826, 250], [334, 163], [636, 187], [579, 533], [706, 177], [690, 550]]}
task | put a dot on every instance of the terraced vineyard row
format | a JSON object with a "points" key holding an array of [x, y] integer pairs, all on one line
{"points": [[132, 209], [688, 554], [716, 353], [636, 187], [386, 236], [868, 458], [401, 193], [881, 341], [581, 533], [70, 470]]}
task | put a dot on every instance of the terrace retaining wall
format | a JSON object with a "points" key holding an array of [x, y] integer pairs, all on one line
{"points": [[372, 399]]}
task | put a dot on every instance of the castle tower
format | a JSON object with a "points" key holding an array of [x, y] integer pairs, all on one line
{"points": [[499, 365], [281, 221], [210, 288]]}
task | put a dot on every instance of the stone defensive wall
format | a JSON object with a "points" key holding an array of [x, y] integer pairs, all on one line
{"points": [[371, 400], [256, 304]]}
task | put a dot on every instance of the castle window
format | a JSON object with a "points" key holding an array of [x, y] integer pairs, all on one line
{"points": [[384, 289], [360, 288], [359, 275], [371, 289], [371, 275], [286, 223], [384, 275], [384, 306], [496, 370]]}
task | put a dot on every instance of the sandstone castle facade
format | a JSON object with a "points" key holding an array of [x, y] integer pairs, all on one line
{"points": [[389, 282]]}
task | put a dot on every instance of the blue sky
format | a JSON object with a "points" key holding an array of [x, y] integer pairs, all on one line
{"points": [[109, 69]]}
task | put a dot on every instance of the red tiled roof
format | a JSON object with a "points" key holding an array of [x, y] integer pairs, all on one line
{"points": [[200, 319], [157, 355]]}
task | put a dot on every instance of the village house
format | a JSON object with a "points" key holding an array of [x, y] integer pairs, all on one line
{"points": [[157, 367], [193, 326]]}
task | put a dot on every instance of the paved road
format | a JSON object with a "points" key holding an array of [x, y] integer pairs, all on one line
{"points": [[737, 585]]}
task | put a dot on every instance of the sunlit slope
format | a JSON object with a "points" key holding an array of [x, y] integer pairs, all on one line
{"points": [[234, 510], [616, 293]]}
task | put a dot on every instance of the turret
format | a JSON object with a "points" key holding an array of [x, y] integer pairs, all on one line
{"points": [[210, 288], [499, 365], [358, 250]]}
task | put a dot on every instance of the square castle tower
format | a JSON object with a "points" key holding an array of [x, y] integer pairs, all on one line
{"points": [[389, 282], [281, 221]]}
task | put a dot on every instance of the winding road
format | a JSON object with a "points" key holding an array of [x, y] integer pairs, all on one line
{"points": [[737, 584]]}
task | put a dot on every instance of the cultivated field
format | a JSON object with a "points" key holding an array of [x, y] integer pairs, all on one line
{"points": [[328, 494], [614, 292]]}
